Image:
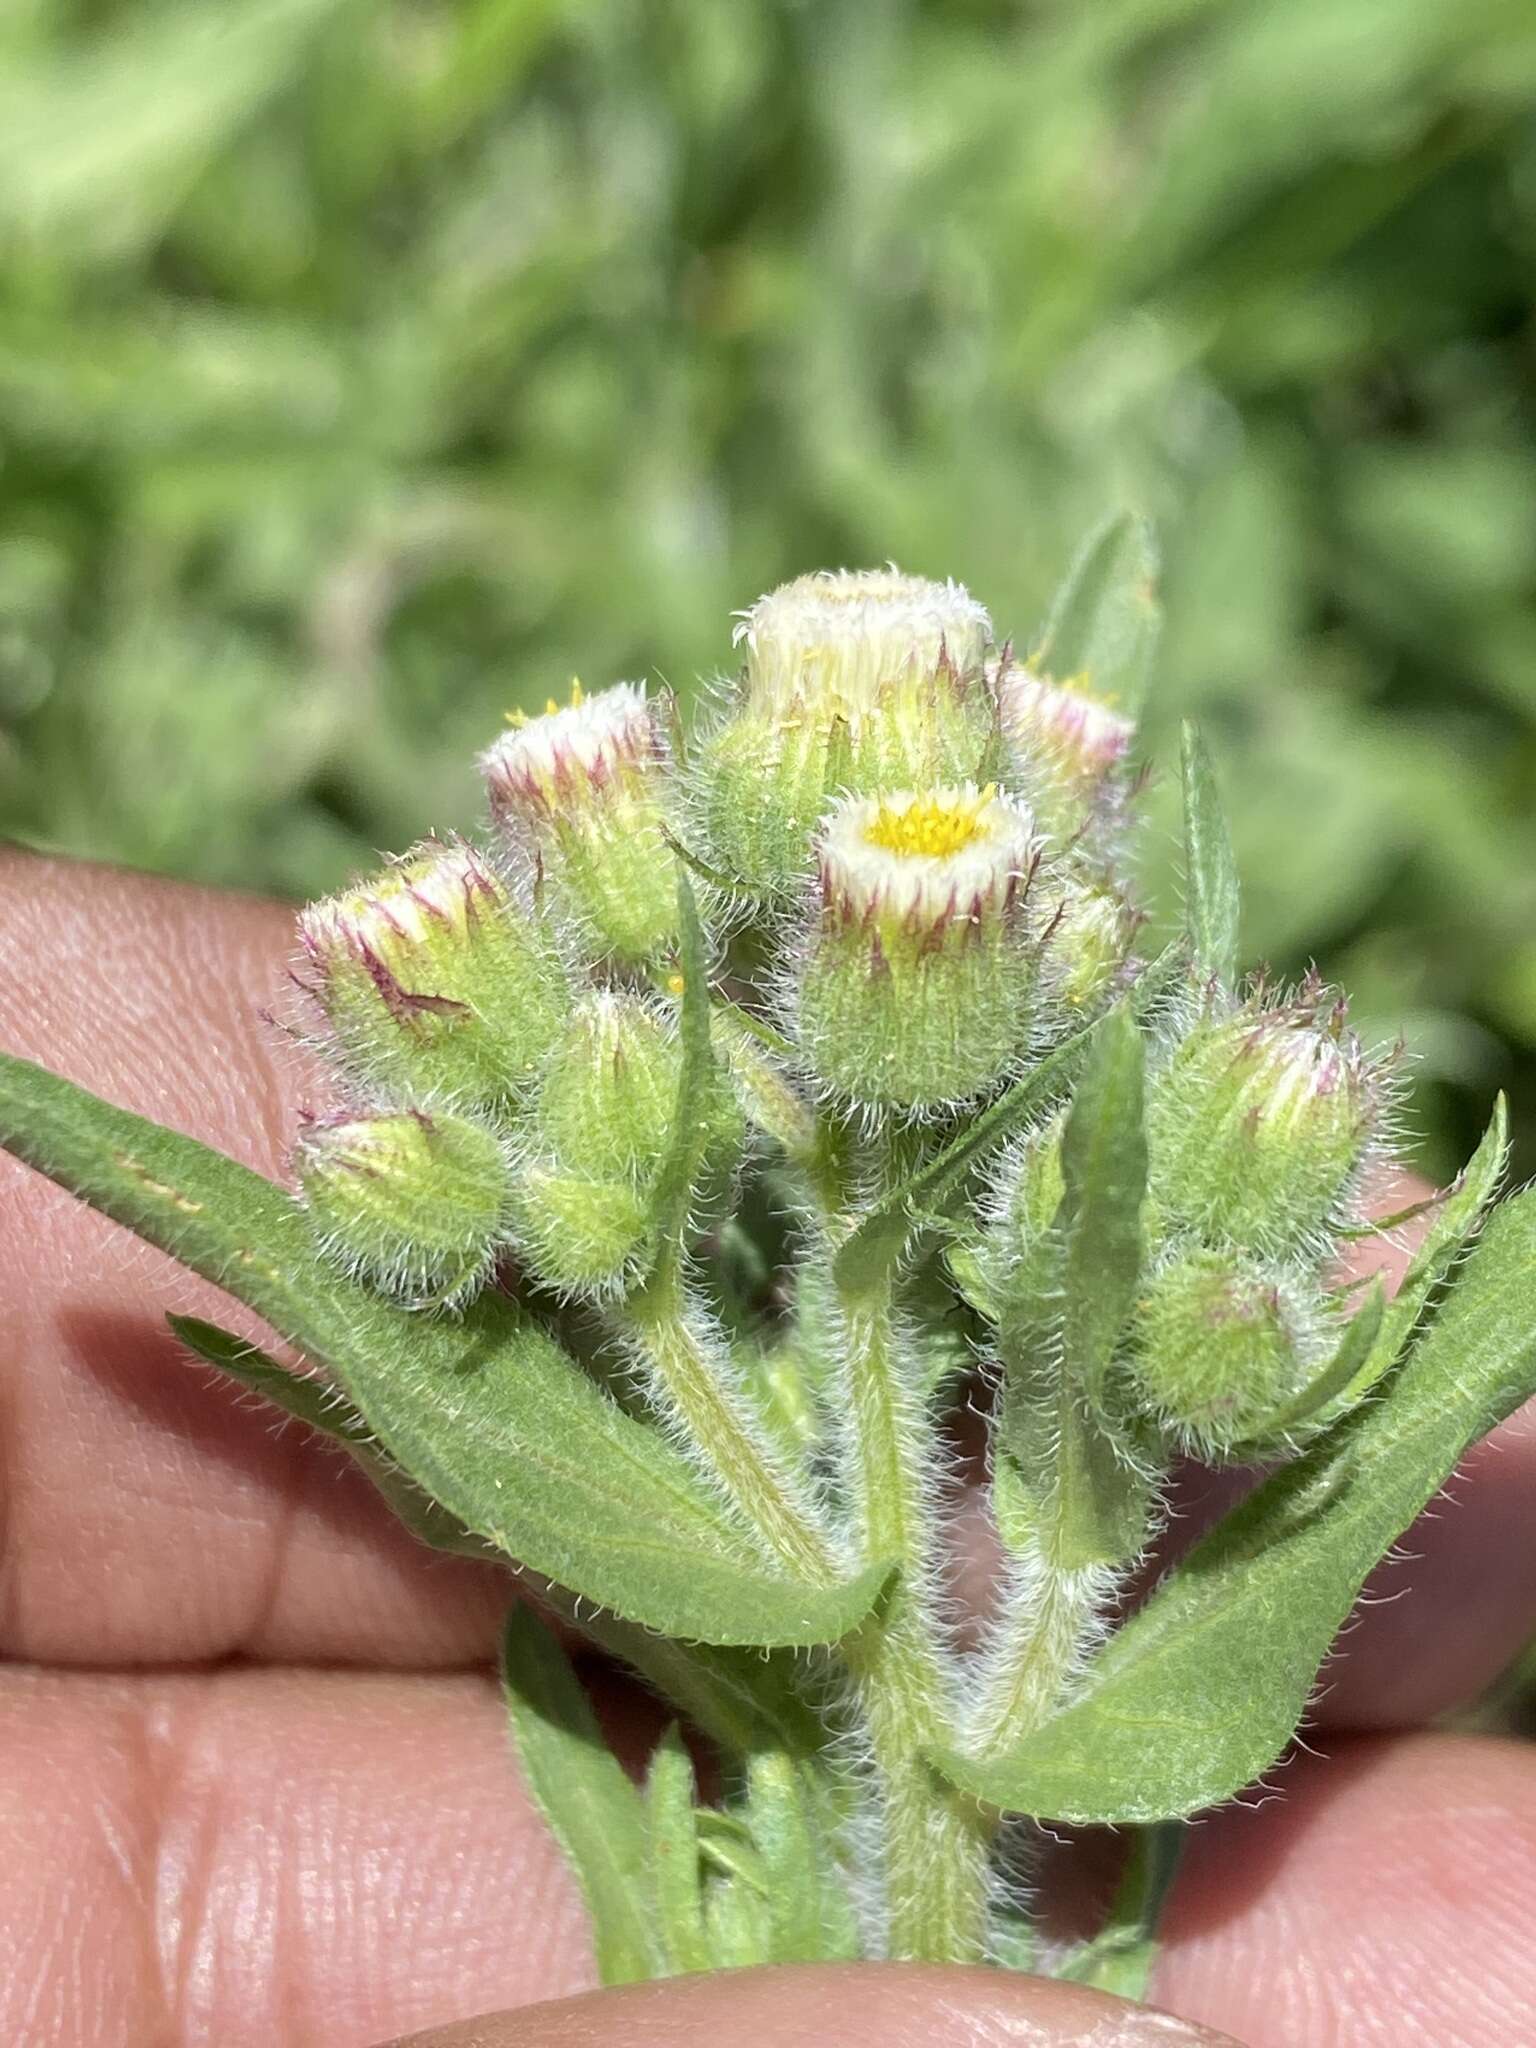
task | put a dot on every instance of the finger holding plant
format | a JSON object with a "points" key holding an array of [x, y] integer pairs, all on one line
{"points": [[697, 1141]]}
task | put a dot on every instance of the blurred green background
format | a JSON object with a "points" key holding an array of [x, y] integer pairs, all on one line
{"points": [[370, 366]]}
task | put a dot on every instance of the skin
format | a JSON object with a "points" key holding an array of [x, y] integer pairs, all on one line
{"points": [[254, 1784]]}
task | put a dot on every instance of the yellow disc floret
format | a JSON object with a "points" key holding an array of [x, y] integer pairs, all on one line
{"points": [[932, 826]]}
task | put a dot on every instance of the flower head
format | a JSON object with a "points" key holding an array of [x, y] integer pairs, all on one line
{"points": [[581, 789], [917, 965], [414, 1204], [864, 681], [434, 982], [836, 641], [917, 861], [1259, 1125]]}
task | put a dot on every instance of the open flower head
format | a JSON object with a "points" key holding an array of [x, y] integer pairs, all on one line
{"points": [[580, 789], [436, 985], [916, 971], [867, 681]]}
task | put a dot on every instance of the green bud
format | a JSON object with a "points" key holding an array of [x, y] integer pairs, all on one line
{"points": [[917, 966], [1217, 1343], [581, 789], [600, 1128], [1258, 1126], [414, 1204], [578, 1234], [434, 982], [1090, 946], [862, 681], [1069, 744], [608, 1095]]}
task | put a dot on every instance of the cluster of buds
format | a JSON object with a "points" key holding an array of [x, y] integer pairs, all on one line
{"points": [[1259, 1130], [1261, 1120], [706, 1062]]}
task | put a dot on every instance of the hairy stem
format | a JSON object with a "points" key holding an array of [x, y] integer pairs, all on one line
{"points": [[935, 1840], [1050, 1616], [693, 1383]]}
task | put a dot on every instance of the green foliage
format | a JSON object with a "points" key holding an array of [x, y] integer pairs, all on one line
{"points": [[1199, 1692], [1060, 1436], [594, 1812], [370, 367], [1212, 906], [485, 1413]]}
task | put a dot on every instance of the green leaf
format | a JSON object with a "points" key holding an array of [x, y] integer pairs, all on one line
{"points": [[690, 1126], [672, 1842], [1456, 1222], [594, 1812], [1063, 1477], [1212, 904], [736, 1924], [871, 1251], [486, 1413], [317, 1405], [1354, 1349], [810, 1915], [1105, 620], [1200, 1691], [1120, 1956], [1104, 1171]]}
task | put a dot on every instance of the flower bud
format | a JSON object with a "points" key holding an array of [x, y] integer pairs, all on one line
{"points": [[608, 1096], [1090, 945], [433, 981], [1069, 744], [414, 1204], [917, 964], [578, 1235], [601, 1127], [1217, 1347], [865, 681], [1259, 1124], [581, 789]]}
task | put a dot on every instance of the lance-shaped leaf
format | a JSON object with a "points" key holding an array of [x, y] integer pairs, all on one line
{"points": [[1061, 1464], [673, 1870], [594, 1812], [1199, 1693], [319, 1407], [1212, 906], [485, 1412], [1455, 1223], [1105, 619]]}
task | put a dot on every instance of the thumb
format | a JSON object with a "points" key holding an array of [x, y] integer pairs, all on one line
{"points": [[857, 2005]]}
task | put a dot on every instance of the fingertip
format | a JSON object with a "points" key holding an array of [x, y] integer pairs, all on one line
{"points": [[857, 2005]]}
